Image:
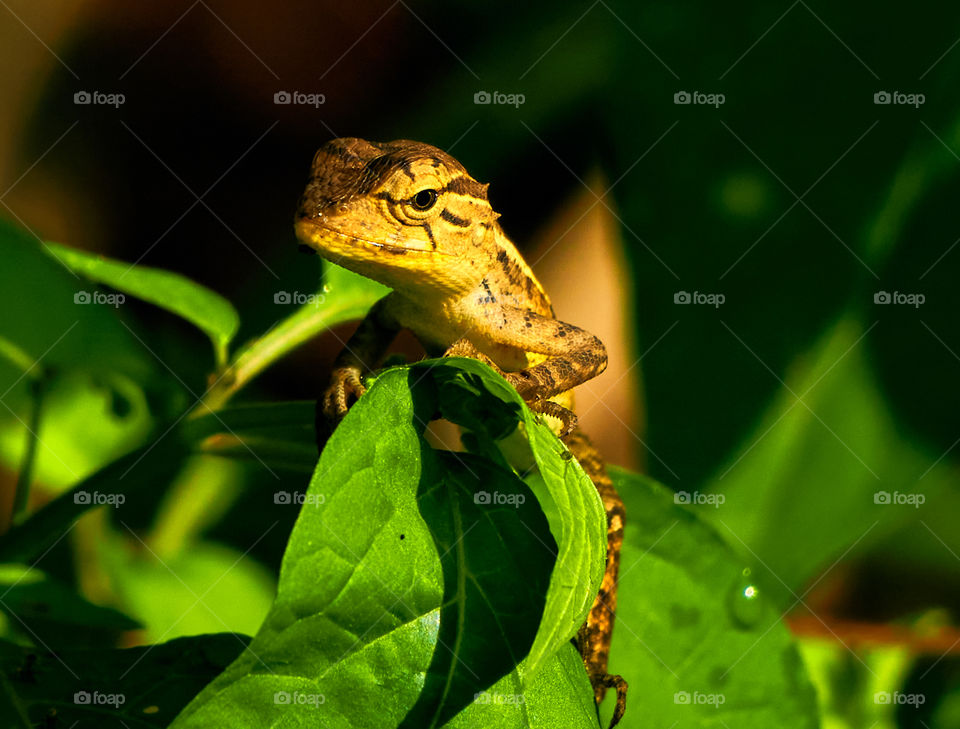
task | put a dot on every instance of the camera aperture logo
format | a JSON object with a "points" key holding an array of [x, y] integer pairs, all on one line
{"points": [[99, 98], [698, 499], [499, 98], [898, 499], [900, 299], [86, 498], [99, 297], [299, 98], [98, 698], [699, 98], [295, 298], [485, 498], [298, 698], [696, 698], [899, 698], [298, 498], [898, 98], [701, 299]]}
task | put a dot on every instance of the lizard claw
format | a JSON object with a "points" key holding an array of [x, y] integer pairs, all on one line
{"points": [[601, 684], [345, 386], [567, 418]]}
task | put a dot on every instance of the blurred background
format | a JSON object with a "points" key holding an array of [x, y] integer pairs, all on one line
{"points": [[754, 207]]}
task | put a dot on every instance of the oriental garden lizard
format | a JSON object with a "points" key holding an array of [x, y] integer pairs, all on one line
{"points": [[408, 215]]}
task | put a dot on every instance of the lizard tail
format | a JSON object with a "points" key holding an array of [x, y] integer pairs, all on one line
{"points": [[593, 639]]}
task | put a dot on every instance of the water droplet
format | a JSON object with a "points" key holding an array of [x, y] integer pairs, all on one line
{"points": [[745, 604]]}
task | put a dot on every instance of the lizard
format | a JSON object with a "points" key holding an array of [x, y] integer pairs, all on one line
{"points": [[408, 215]]}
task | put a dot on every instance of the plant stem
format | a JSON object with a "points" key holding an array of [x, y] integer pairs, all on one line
{"points": [[255, 357], [21, 496]]}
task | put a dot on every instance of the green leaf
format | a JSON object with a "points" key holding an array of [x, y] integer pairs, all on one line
{"points": [[87, 421], [472, 395], [48, 612], [495, 577], [558, 695], [207, 310], [776, 486], [357, 611], [280, 435], [89, 360], [109, 689], [361, 601], [150, 467], [199, 586], [695, 638]]}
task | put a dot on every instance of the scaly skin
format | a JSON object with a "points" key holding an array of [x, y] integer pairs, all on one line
{"points": [[408, 215]]}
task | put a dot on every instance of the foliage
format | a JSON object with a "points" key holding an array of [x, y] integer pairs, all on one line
{"points": [[442, 588]]}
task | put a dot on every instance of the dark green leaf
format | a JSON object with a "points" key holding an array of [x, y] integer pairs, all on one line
{"points": [[497, 554], [50, 613], [109, 689], [698, 641], [471, 395], [150, 467], [354, 631]]}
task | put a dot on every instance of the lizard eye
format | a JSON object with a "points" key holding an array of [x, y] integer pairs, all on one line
{"points": [[424, 200]]}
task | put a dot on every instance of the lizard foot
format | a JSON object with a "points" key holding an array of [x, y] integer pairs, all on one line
{"points": [[345, 387], [601, 683], [567, 418]]}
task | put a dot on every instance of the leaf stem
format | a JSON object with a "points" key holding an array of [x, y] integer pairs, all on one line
{"points": [[255, 357], [21, 496]]}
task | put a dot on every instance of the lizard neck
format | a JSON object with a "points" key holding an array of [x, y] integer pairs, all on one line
{"points": [[509, 276]]}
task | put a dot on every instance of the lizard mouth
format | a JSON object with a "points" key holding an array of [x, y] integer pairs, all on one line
{"points": [[321, 236]]}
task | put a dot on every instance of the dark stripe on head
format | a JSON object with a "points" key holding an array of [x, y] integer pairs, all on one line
{"points": [[454, 219], [429, 230], [465, 185]]}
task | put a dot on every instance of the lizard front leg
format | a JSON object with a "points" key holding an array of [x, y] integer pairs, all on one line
{"points": [[573, 355], [362, 352], [463, 347]]}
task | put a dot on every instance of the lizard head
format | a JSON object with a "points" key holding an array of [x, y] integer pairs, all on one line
{"points": [[403, 213]]}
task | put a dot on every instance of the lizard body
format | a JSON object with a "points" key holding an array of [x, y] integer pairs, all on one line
{"points": [[410, 216]]}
